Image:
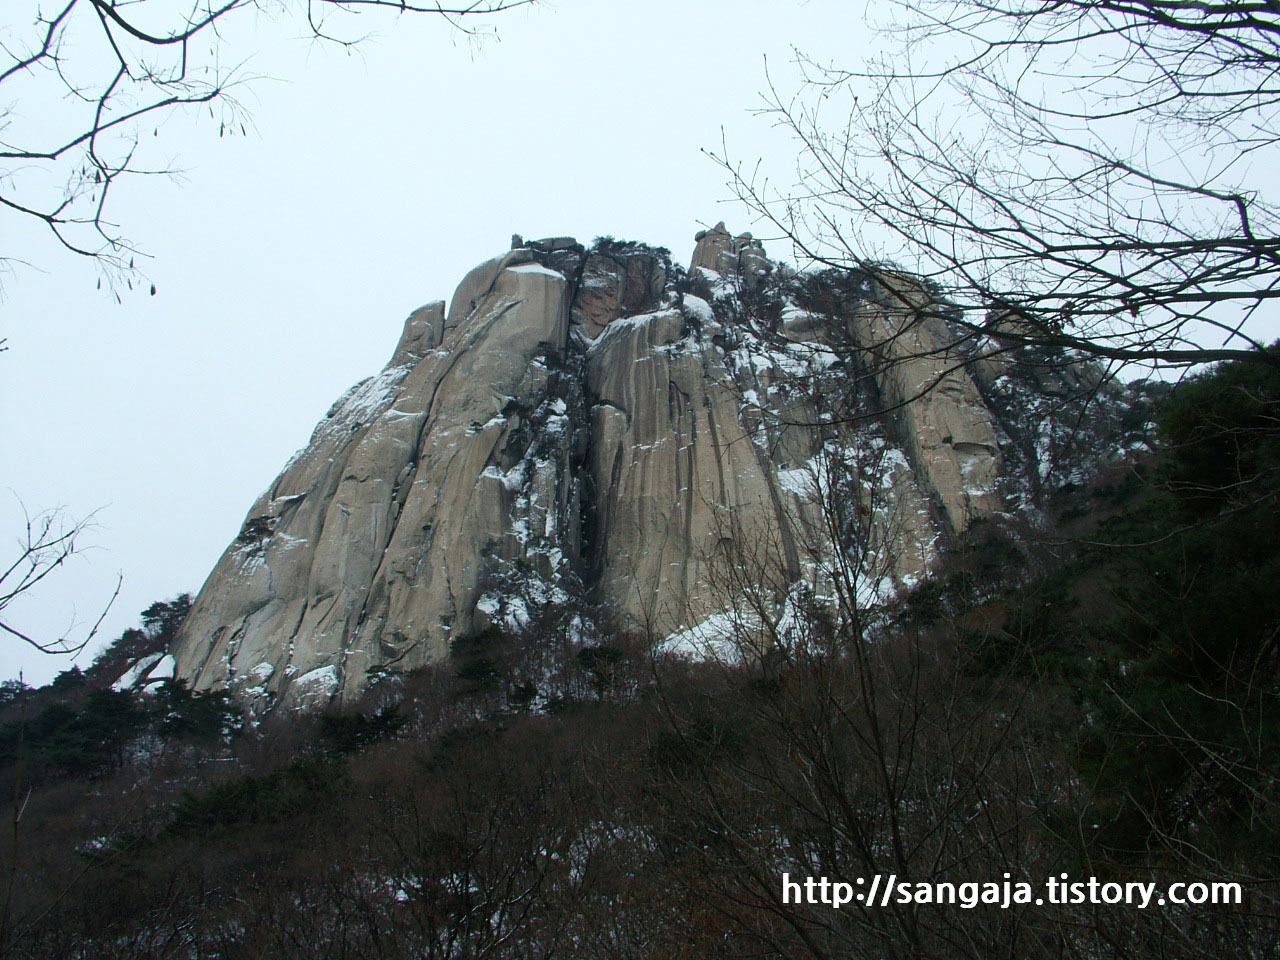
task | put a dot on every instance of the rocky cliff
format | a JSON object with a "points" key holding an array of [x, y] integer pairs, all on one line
{"points": [[600, 427]]}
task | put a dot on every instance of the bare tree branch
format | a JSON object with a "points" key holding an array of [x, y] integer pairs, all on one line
{"points": [[77, 85], [1096, 169], [47, 541]]}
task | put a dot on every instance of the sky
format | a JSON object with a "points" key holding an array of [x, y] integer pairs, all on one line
{"points": [[285, 260]]}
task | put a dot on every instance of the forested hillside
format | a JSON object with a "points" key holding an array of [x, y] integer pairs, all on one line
{"points": [[1095, 698]]}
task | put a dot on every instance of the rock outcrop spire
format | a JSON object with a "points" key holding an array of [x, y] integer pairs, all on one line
{"points": [[601, 426], [720, 252]]}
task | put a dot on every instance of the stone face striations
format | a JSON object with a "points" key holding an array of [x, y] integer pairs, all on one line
{"points": [[949, 432], [595, 426]]}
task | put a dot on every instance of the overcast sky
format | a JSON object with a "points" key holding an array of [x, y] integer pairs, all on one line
{"points": [[286, 260]]}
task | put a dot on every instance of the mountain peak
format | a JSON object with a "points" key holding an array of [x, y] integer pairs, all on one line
{"points": [[598, 437]]}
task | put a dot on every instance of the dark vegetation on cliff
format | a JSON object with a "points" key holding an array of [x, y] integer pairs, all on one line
{"points": [[1100, 703]]}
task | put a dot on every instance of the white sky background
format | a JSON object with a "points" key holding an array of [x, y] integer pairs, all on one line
{"points": [[287, 260]]}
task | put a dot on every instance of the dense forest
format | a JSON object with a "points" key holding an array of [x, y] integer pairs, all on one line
{"points": [[1096, 700]]}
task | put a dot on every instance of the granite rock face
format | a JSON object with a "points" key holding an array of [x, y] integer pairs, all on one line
{"points": [[720, 252], [602, 427], [949, 432]]}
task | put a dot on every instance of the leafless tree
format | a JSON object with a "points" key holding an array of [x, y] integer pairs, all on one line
{"points": [[837, 751], [1081, 174], [849, 740], [81, 81], [46, 542]]}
